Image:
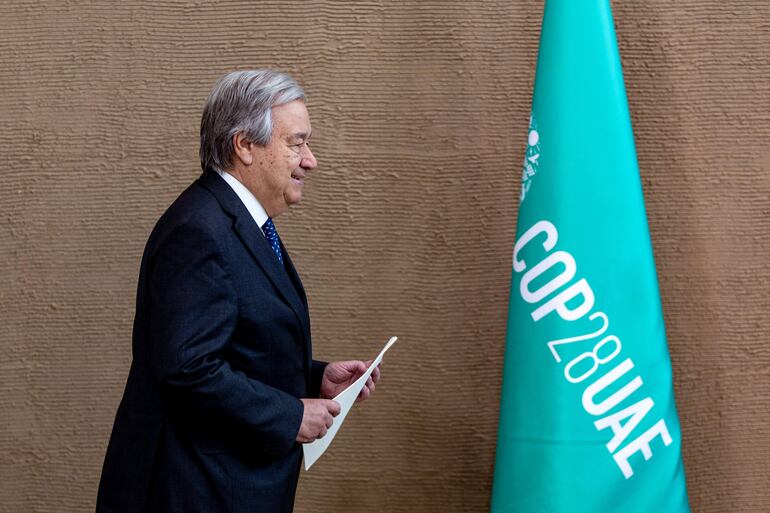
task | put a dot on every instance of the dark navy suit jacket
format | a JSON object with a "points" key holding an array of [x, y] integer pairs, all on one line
{"points": [[221, 356]]}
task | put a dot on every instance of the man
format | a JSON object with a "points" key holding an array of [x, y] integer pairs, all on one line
{"points": [[222, 389]]}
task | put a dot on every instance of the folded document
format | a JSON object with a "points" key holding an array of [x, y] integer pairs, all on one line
{"points": [[346, 398]]}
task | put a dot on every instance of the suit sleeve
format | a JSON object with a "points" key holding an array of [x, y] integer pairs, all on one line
{"points": [[316, 375], [193, 315]]}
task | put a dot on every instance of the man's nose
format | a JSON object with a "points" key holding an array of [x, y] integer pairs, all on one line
{"points": [[308, 159]]}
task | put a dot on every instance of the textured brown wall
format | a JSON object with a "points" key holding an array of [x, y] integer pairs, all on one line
{"points": [[420, 111]]}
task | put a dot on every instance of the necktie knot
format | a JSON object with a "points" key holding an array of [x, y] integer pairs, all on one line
{"points": [[272, 238]]}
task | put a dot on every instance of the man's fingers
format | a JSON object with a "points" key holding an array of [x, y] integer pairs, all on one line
{"points": [[333, 407], [376, 373], [354, 368], [317, 418]]}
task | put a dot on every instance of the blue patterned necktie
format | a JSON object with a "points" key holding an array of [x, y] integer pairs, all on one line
{"points": [[272, 237]]}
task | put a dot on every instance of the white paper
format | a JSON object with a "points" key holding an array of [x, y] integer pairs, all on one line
{"points": [[312, 451]]}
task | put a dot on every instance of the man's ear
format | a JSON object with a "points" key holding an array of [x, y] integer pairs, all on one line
{"points": [[242, 149]]}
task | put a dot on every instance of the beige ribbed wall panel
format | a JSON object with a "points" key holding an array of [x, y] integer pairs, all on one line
{"points": [[420, 110]]}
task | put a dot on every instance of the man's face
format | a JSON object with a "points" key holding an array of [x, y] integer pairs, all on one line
{"points": [[277, 172]]}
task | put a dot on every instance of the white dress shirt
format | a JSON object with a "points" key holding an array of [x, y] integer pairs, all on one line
{"points": [[250, 201]]}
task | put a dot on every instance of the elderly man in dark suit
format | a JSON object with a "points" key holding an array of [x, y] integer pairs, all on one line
{"points": [[223, 390]]}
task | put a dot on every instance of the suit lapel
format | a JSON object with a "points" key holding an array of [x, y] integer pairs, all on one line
{"points": [[255, 242], [292, 273]]}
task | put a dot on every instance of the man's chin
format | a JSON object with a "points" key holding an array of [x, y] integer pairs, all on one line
{"points": [[292, 199]]}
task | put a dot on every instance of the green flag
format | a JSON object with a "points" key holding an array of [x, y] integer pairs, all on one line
{"points": [[588, 422]]}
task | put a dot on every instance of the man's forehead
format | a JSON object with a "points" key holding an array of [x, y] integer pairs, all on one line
{"points": [[292, 119]]}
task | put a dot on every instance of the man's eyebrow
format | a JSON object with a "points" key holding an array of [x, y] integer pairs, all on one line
{"points": [[304, 136]]}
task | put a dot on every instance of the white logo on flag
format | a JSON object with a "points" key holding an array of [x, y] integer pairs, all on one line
{"points": [[531, 162]]}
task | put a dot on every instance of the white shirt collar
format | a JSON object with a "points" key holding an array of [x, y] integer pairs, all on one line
{"points": [[250, 201]]}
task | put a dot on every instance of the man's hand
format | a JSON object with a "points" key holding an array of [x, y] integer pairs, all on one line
{"points": [[340, 375], [317, 418]]}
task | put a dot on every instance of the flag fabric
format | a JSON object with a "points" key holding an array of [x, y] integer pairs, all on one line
{"points": [[588, 422]]}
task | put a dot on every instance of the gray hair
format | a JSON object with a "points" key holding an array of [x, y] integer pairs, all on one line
{"points": [[242, 101]]}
